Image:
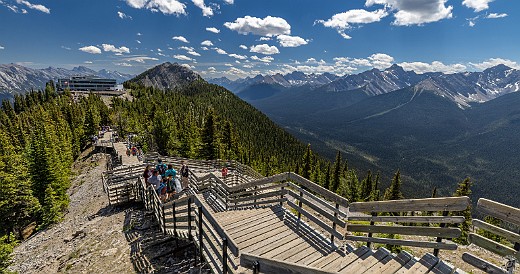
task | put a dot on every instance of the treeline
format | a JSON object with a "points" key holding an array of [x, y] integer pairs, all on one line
{"points": [[205, 121], [41, 134]]}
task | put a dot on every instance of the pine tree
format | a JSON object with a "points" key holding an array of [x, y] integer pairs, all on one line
{"points": [[209, 146], [306, 172], [366, 187], [326, 182], [375, 193], [353, 187], [336, 172], [393, 192], [464, 189]]}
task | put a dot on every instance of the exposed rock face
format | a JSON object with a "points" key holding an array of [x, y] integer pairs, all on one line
{"points": [[166, 76]]}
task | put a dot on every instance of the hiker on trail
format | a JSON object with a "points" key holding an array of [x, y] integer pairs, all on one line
{"points": [[156, 182], [134, 151], [224, 172], [170, 171], [147, 173], [170, 185], [185, 172], [161, 168], [128, 152]]}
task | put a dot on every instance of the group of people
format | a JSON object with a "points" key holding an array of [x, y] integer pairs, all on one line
{"points": [[164, 179]]}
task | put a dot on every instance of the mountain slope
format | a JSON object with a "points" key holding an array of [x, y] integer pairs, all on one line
{"points": [[166, 76]]}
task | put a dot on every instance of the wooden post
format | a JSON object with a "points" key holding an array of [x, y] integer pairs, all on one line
{"points": [[333, 222], [189, 218], [200, 233], [369, 244], [163, 219], [281, 196], [224, 255], [256, 267], [174, 221], [439, 239], [300, 205], [255, 197]]}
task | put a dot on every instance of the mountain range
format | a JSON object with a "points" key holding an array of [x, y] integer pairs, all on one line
{"points": [[19, 79], [436, 128]]}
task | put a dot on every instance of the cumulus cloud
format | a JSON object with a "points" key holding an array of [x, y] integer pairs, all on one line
{"points": [[194, 53], [1, 47], [230, 2], [123, 64], [477, 5], [264, 49], [415, 12], [220, 51], [266, 59], [91, 49], [180, 38], [164, 6], [496, 15], [435, 66], [269, 26], [204, 48], [491, 62], [207, 43], [212, 29], [140, 59], [243, 46], [112, 48], [182, 57], [123, 16], [37, 7], [381, 60], [288, 41], [236, 72], [238, 56], [263, 38], [206, 11], [345, 20]]}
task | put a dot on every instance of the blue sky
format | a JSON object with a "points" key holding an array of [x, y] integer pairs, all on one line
{"points": [[237, 38]]}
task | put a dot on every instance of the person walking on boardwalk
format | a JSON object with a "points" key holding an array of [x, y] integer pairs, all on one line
{"points": [[185, 172]]}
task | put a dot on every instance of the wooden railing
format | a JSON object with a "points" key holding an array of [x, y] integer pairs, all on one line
{"points": [[394, 209], [189, 218], [509, 218]]}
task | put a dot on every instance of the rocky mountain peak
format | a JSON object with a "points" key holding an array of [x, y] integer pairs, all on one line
{"points": [[167, 76]]}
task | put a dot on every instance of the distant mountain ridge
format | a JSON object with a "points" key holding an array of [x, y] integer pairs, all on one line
{"points": [[462, 88], [19, 79]]}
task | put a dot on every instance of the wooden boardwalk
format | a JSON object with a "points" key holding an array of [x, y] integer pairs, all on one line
{"points": [[287, 224]]}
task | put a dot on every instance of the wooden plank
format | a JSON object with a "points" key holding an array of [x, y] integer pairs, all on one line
{"points": [[277, 193], [261, 226], [230, 216], [511, 236], [327, 194], [428, 204], [304, 252], [443, 268], [501, 211], [482, 264], [346, 261], [275, 266], [403, 242], [405, 267], [444, 232], [301, 247], [260, 240], [262, 202], [264, 181], [493, 246], [254, 219], [316, 220], [409, 219], [317, 209], [325, 260], [424, 265], [341, 264], [364, 265], [389, 263], [268, 251], [284, 247], [318, 200], [238, 194]]}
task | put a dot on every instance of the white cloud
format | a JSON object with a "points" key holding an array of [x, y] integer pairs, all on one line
{"points": [[496, 15], [140, 59], [269, 26], [381, 60], [88, 62], [123, 16], [415, 12], [491, 62], [263, 38], [228, 65], [288, 41], [206, 11], [186, 48], [112, 48], [435, 66], [264, 49], [123, 64], [206, 43], [214, 30], [164, 6], [139, 34], [238, 56], [91, 49], [212, 69], [1, 47], [236, 72], [194, 53], [345, 20], [66, 48], [180, 38], [266, 59], [41, 8], [204, 48], [477, 5], [220, 51], [243, 46], [138, 42], [230, 2], [182, 57]]}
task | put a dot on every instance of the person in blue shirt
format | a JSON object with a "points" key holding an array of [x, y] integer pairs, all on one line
{"points": [[161, 168], [170, 171]]}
